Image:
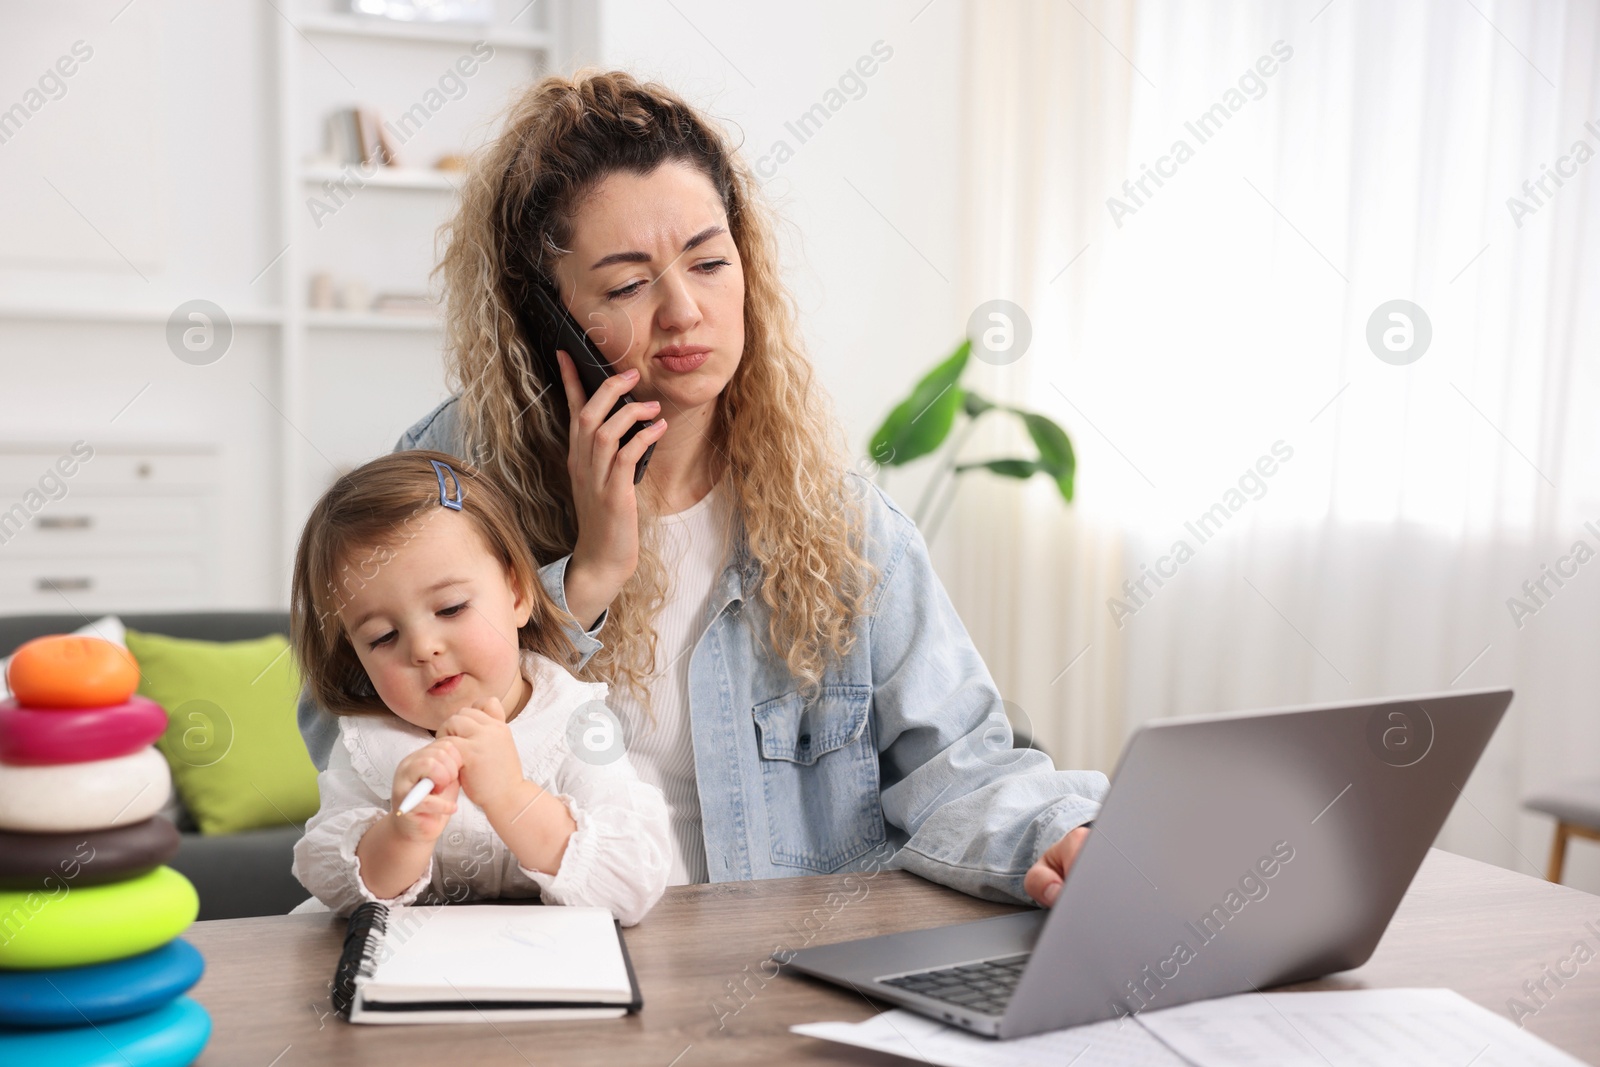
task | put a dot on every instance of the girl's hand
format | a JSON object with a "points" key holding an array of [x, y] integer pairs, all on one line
{"points": [[603, 496], [490, 766], [440, 761]]}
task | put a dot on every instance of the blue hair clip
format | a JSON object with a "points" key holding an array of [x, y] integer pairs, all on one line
{"points": [[439, 469]]}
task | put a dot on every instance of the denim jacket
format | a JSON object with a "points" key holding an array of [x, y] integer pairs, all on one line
{"points": [[905, 749]]}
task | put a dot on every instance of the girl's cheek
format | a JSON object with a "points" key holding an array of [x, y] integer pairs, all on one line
{"points": [[383, 678]]}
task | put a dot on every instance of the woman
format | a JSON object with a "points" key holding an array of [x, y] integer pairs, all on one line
{"points": [[787, 666]]}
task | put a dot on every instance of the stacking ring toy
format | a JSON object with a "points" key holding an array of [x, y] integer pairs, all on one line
{"points": [[75, 735], [42, 861], [64, 797], [73, 927], [78, 996], [171, 1036], [71, 671]]}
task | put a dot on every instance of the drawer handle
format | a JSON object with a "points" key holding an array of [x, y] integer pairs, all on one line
{"points": [[63, 585], [65, 522]]}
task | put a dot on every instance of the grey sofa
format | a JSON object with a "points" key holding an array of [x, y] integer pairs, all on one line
{"points": [[237, 875]]}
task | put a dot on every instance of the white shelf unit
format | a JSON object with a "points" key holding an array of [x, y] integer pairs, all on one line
{"points": [[72, 313], [328, 59], [337, 25], [376, 320], [387, 177]]}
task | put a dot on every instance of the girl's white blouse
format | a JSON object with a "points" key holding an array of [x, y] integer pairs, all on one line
{"points": [[619, 857]]}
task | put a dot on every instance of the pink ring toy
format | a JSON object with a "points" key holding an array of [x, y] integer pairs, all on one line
{"points": [[77, 735]]}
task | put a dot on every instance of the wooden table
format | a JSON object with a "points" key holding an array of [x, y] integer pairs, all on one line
{"points": [[1480, 930]]}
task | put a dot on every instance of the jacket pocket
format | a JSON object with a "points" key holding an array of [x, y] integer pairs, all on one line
{"points": [[819, 769]]}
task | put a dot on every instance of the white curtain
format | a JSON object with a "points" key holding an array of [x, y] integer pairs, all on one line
{"points": [[1205, 341]]}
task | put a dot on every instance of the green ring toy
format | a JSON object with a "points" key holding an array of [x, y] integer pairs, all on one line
{"points": [[71, 927]]}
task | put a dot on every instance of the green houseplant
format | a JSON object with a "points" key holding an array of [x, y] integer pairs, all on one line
{"points": [[923, 421]]}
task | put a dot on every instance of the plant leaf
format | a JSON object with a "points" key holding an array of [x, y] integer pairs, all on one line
{"points": [[975, 405], [1055, 451], [1009, 468], [919, 424]]}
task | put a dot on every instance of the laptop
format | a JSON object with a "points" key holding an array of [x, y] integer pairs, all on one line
{"points": [[1232, 853]]}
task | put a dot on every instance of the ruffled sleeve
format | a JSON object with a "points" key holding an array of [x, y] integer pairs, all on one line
{"points": [[618, 856], [325, 858]]}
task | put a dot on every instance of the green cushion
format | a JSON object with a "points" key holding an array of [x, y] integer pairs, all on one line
{"points": [[235, 751]]}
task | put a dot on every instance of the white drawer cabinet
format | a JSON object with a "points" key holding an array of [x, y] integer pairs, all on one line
{"points": [[104, 526], [118, 468], [48, 584], [132, 528]]}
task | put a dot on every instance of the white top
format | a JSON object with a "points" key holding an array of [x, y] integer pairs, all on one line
{"points": [[694, 545], [616, 859]]}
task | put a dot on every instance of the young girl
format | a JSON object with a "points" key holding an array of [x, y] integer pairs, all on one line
{"points": [[417, 616]]}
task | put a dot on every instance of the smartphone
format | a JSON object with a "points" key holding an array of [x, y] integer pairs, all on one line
{"points": [[593, 369]]}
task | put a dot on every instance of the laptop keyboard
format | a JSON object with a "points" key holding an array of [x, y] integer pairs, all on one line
{"points": [[983, 987]]}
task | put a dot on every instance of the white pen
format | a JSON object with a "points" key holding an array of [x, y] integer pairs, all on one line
{"points": [[423, 787]]}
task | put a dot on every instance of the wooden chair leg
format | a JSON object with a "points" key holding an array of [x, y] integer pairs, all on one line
{"points": [[1558, 850]]}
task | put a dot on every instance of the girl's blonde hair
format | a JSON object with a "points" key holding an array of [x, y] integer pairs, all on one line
{"points": [[358, 526], [773, 434]]}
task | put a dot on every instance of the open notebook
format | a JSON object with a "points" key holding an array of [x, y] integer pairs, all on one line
{"points": [[483, 962]]}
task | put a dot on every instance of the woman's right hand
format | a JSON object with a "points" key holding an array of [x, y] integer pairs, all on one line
{"points": [[440, 761], [602, 488]]}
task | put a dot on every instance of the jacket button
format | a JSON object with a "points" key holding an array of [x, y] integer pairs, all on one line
{"points": [[455, 837]]}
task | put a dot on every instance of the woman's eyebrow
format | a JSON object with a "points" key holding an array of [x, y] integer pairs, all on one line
{"points": [[644, 257]]}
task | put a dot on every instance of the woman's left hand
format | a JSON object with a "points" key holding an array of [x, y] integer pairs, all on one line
{"points": [[490, 766], [1043, 880]]}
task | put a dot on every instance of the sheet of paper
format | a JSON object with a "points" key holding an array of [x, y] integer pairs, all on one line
{"points": [[916, 1037], [1352, 1028], [511, 948], [1349, 1028]]}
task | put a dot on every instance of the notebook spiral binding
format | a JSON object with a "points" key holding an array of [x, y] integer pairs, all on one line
{"points": [[362, 937]]}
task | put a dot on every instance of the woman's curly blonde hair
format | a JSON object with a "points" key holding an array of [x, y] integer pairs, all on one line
{"points": [[774, 434]]}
